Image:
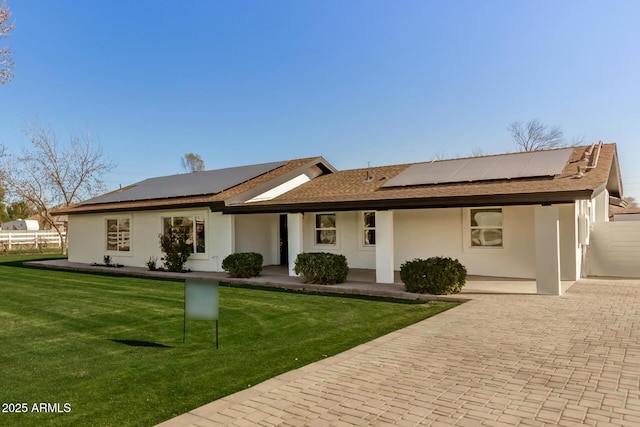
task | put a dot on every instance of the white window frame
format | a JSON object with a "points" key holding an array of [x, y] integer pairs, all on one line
{"points": [[192, 217], [316, 229], [468, 228], [364, 229], [117, 251]]}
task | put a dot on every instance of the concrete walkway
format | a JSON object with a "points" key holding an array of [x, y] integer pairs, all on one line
{"points": [[497, 360]]}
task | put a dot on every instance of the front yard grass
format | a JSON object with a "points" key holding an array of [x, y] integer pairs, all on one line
{"points": [[111, 347]]}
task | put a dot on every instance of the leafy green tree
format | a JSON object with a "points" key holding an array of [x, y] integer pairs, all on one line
{"points": [[3, 213], [18, 210]]}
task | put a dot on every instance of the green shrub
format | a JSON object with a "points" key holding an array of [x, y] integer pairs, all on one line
{"points": [[436, 275], [152, 263], [243, 264], [322, 267], [176, 248]]}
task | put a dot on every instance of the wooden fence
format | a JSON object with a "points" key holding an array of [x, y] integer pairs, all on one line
{"points": [[28, 239]]}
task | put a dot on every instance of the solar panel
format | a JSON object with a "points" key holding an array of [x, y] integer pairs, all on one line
{"points": [[189, 184], [508, 166]]}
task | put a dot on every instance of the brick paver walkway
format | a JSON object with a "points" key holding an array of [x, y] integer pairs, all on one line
{"points": [[496, 360]]}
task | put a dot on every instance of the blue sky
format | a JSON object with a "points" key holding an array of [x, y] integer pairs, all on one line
{"points": [[384, 82]]}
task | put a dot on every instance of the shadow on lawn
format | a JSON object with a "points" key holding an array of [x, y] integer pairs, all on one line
{"points": [[136, 343]]}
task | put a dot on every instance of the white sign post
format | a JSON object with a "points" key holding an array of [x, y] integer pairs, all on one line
{"points": [[200, 302]]}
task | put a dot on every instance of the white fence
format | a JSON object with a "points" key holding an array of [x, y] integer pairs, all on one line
{"points": [[33, 239], [614, 249]]}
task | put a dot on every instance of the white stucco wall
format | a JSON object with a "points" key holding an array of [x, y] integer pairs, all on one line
{"points": [[87, 238], [423, 233], [349, 240], [259, 233], [570, 250], [417, 233], [441, 232], [601, 207]]}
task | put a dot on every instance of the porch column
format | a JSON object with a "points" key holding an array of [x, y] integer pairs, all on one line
{"points": [[295, 241], [547, 220], [222, 238], [384, 246]]}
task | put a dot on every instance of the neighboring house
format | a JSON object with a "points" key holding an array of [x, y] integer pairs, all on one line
{"points": [[520, 215], [624, 213]]}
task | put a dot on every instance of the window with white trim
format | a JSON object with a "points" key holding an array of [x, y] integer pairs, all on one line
{"points": [[486, 227], [325, 229], [192, 225], [369, 228], [119, 234]]}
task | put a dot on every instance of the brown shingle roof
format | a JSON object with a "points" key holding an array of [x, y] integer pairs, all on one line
{"points": [[363, 189], [350, 189], [191, 201]]}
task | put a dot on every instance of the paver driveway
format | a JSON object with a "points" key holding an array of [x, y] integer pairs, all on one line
{"points": [[496, 360]]}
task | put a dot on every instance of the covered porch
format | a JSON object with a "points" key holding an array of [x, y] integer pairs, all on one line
{"points": [[549, 251], [362, 278], [360, 281]]}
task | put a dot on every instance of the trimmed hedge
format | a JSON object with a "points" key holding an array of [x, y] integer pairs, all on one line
{"points": [[436, 275], [243, 264], [322, 267]]}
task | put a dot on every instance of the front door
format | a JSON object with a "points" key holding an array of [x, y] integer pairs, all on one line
{"points": [[284, 241]]}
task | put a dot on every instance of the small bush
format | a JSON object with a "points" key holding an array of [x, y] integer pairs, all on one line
{"points": [[243, 264], [176, 247], [322, 267], [152, 263], [436, 275]]}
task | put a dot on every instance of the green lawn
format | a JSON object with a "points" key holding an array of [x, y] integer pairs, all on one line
{"points": [[63, 341]]}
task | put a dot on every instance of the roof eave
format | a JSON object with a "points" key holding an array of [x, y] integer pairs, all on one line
{"points": [[418, 203], [114, 208]]}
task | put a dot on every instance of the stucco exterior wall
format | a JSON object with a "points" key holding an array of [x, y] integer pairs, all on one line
{"points": [[349, 240], [259, 233], [423, 233], [601, 207], [417, 233], [570, 250], [87, 238], [441, 232]]}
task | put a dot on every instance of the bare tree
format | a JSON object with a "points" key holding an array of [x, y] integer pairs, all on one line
{"points": [[6, 60], [478, 152], [47, 175], [192, 162], [534, 136]]}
